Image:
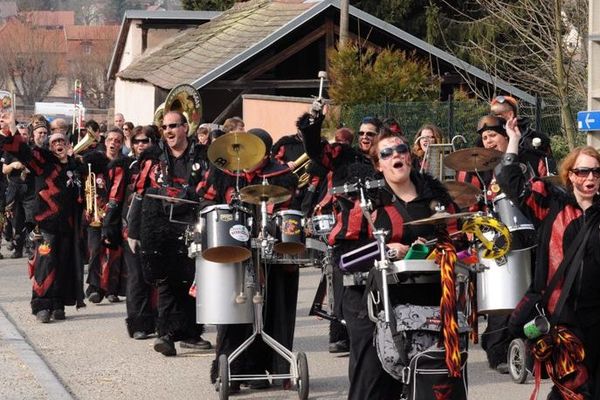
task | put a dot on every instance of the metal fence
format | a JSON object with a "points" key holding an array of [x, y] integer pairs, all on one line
{"points": [[453, 117]]}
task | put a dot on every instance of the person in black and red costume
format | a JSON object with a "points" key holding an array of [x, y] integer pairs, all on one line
{"points": [[559, 214], [172, 168], [106, 275], [141, 297], [407, 196], [57, 267], [282, 280]]}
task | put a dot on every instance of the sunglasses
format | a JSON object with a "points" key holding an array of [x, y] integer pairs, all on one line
{"points": [[137, 141], [171, 126], [388, 152], [368, 133], [585, 172]]}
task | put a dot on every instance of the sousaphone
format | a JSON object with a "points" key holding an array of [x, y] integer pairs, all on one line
{"points": [[185, 99]]}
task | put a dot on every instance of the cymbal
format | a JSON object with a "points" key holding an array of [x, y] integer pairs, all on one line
{"points": [[170, 199], [440, 218], [554, 179], [464, 194], [255, 194], [236, 151], [473, 159]]}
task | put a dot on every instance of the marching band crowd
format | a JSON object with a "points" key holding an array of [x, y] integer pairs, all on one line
{"points": [[107, 199]]}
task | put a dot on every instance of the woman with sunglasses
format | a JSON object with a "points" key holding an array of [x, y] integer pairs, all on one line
{"points": [[122, 173], [559, 215]]}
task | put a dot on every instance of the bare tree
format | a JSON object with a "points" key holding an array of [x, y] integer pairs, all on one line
{"points": [[31, 59], [91, 69], [536, 45]]}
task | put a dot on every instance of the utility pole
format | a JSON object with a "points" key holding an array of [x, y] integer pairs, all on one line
{"points": [[344, 16], [593, 137]]}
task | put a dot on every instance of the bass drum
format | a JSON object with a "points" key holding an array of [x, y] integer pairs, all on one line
{"points": [[218, 286], [503, 282]]}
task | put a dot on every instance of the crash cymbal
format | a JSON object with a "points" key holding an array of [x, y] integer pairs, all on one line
{"points": [[554, 179], [464, 194], [170, 199], [236, 151], [473, 159], [255, 194], [440, 218]]}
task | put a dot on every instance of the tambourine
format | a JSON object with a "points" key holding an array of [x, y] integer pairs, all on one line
{"points": [[480, 226]]}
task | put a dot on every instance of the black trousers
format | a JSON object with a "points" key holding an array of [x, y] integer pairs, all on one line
{"points": [[141, 296], [591, 345], [496, 339], [57, 273], [176, 308], [106, 274]]}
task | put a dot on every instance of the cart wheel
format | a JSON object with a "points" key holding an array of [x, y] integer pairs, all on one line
{"points": [[517, 361], [302, 382], [223, 377]]}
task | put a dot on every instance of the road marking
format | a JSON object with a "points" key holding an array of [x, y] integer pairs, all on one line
{"points": [[46, 378]]}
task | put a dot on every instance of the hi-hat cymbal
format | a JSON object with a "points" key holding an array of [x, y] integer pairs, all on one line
{"points": [[236, 151], [464, 194], [473, 159], [440, 218], [255, 194], [170, 199]]}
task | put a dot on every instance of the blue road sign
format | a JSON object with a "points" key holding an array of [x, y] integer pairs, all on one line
{"points": [[588, 120]]}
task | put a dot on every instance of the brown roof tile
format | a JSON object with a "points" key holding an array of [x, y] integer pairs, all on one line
{"points": [[194, 53]]}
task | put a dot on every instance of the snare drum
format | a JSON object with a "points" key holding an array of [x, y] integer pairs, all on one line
{"points": [[289, 232], [503, 282], [322, 224], [225, 236]]}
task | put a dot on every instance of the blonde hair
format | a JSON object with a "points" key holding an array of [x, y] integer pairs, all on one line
{"points": [[437, 134]]}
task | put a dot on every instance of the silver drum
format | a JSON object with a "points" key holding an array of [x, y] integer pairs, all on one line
{"points": [[510, 214], [218, 285], [225, 234], [502, 282]]}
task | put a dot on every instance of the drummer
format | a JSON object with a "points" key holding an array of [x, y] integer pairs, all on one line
{"points": [[492, 135], [407, 195], [219, 187]]}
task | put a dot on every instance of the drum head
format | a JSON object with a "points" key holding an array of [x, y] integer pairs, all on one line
{"points": [[227, 254]]}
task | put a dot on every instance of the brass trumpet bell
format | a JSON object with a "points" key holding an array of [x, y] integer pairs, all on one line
{"points": [[85, 142]]}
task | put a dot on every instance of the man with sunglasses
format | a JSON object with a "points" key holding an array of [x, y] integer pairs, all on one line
{"points": [[173, 169]]}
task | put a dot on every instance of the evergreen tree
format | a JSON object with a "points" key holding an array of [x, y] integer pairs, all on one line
{"points": [[207, 5]]}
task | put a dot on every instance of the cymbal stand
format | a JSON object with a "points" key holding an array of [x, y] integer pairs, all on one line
{"points": [[258, 300], [382, 264], [484, 186]]}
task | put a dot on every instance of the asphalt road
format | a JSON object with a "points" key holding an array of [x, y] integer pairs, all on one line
{"points": [[90, 356]]}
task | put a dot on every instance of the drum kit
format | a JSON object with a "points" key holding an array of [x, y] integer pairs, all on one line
{"points": [[231, 251]]}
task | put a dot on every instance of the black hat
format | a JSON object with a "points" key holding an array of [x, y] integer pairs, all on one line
{"points": [[264, 136]]}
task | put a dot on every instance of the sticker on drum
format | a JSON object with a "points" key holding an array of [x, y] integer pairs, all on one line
{"points": [[239, 233], [226, 217], [291, 227]]}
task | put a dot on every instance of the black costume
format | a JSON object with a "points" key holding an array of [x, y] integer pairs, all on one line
{"points": [[165, 262], [141, 297], [558, 218], [57, 267]]}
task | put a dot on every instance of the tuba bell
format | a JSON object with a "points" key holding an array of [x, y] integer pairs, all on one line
{"points": [[85, 142], [185, 99]]}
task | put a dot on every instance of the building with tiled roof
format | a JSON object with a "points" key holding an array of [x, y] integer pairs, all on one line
{"points": [[271, 47]]}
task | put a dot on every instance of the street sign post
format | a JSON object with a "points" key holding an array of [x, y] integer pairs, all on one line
{"points": [[588, 121]]}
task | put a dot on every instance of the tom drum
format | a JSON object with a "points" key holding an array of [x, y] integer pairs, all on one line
{"points": [[225, 234]]}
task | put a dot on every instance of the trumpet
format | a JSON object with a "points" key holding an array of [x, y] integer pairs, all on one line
{"points": [[301, 170], [91, 200]]}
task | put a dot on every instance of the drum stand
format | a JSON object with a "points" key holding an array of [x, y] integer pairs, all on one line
{"points": [[298, 363]]}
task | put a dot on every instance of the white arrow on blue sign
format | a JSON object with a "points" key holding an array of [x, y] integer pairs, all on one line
{"points": [[588, 120]]}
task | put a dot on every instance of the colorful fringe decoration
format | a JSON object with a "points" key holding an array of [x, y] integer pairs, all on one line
{"points": [[562, 354], [446, 259]]}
